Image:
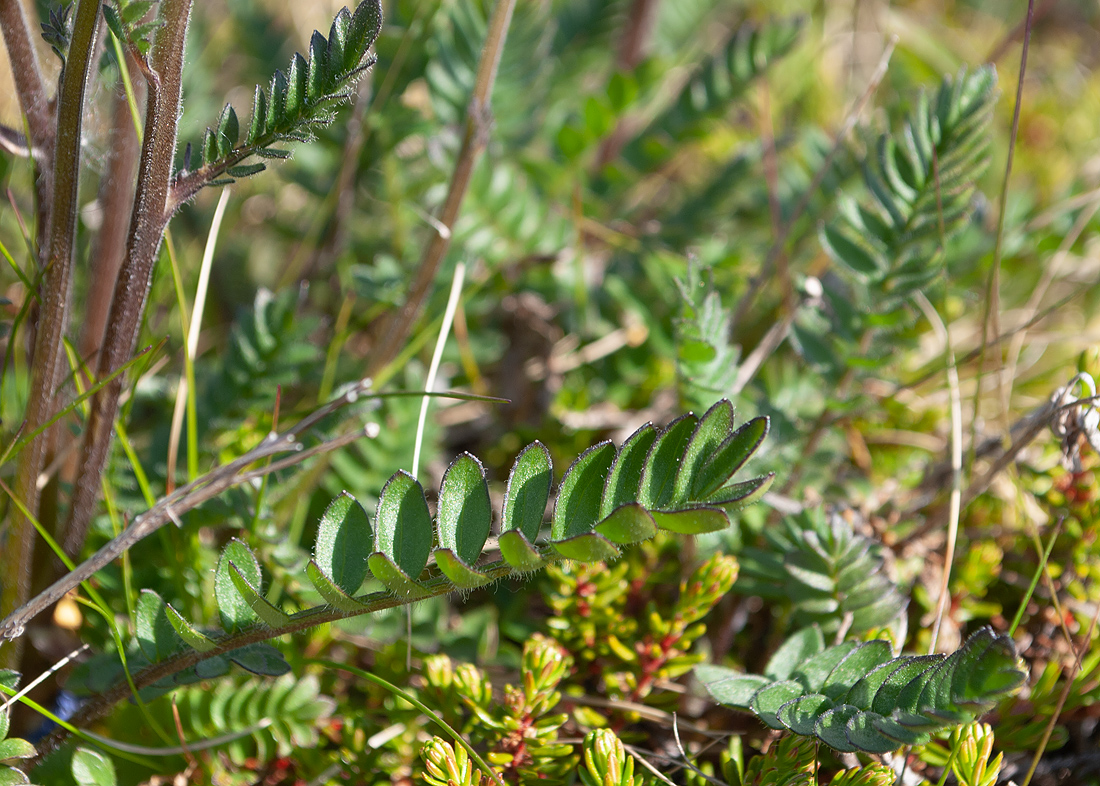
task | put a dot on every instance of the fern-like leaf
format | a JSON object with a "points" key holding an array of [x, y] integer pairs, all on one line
{"points": [[830, 574], [296, 103], [921, 182], [855, 696], [675, 479]]}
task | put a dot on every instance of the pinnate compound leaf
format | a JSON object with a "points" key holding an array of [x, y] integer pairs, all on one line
{"points": [[233, 608], [344, 542], [296, 102], [830, 574], [856, 697]]}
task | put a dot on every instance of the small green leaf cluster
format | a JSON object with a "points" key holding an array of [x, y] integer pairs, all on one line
{"points": [[631, 653], [829, 574], [519, 733], [58, 29], [11, 747], [296, 102], [125, 20], [444, 765], [856, 696], [968, 752], [791, 761], [606, 763]]}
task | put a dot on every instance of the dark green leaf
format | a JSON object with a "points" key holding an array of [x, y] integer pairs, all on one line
{"points": [[659, 477], [728, 457], [626, 472], [527, 491], [262, 659], [232, 607], [155, 635], [403, 525], [465, 513], [578, 506], [714, 428], [344, 542], [92, 768]]}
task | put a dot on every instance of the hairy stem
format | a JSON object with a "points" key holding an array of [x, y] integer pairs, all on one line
{"points": [[33, 101], [396, 326], [54, 298], [147, 223], [116, 194], [102, 704]]}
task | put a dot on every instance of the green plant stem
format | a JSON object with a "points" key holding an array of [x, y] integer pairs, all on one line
{"points": [[55, 294], [101, 705], [397, 324], [148, 221]]}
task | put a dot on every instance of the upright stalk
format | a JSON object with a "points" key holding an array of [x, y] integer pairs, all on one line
{"points": [[396, 326], [33, 102], [54, 298], [148, 220]]}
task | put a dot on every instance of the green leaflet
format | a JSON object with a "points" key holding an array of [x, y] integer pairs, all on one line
{"points": [[155, 635], [626, 473], [578, 507], [855, 696], [527, 492], [403, 539], [235, 610], [92, 768], [658, 483], [464, 509], [920, 183], [344, 542]]}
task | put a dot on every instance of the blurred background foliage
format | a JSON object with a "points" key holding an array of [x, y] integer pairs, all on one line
{"points": [[639, 172]]}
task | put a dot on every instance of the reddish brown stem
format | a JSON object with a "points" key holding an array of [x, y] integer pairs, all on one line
{"points": [[148, 220]]}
